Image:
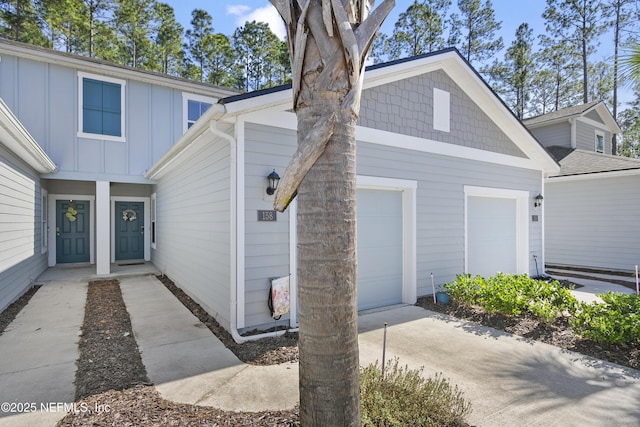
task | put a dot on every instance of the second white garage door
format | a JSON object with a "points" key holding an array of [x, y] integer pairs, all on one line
{"points": [[379, 248], [491, 235]]}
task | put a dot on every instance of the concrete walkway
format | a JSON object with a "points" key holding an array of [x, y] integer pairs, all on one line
{"points": [[38, 353], [188, 364], [508, 379]]}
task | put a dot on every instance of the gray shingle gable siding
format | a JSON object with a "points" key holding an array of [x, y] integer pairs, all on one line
{"points": [[406, 107]]}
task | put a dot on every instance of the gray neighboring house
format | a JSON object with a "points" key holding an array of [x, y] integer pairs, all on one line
{"points": [[447, 180], [591, 205]]}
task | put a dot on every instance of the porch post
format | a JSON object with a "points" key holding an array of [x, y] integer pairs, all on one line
{"points": [[103, 209]]}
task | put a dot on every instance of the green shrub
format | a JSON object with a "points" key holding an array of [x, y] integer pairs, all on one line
{"points": [[512, 294], [465, 289], [404, 398], [615, 320]]}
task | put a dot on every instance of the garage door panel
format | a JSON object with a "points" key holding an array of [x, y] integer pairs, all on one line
{"points": [[379, 248], [491, 235]]}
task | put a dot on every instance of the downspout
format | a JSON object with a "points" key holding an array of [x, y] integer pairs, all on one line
{"points": [[233, 309]]}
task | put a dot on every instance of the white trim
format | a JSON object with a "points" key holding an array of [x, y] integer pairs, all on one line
{"points": [[186, 97], [81, 134], [409, 227], [147, 221], [407, 142], [44, 221], [572, 123], [293, 264], [153, 224], [522, 221], [594, 175], [541, 218], [53, 198], [103, 225], [286, 120]]}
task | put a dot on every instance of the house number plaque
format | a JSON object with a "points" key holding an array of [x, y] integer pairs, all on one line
{"points": [[267, 216]]}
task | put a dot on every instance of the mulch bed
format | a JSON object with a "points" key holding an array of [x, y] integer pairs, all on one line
{"points": [[143, 406], [268, 351], [112, 388], [9, 314], [558, 333], [109, 355]]}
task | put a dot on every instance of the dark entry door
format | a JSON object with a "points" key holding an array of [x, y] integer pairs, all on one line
{"points": [[72, 231], [129, 226]]}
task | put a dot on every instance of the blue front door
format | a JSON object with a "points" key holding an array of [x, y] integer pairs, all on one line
{"points": [[72, 231], [129, 226]]}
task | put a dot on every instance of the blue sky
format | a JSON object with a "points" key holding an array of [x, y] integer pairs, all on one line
{"points": [[230, 14]]}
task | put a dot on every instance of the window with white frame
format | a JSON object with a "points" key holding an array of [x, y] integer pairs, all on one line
{"points": [[153, 220], [44, 227], [193, 107], [599, 142], [101, 107]]}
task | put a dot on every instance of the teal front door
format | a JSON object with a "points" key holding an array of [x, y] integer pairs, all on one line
{"points": [[72, 231], [129, 226]]}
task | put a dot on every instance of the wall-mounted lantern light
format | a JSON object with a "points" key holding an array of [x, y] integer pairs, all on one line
{"points": [[273, 179], [538, 200]]}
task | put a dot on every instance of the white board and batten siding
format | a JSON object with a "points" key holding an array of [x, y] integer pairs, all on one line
{"points": [[589, 233], [22, 256], [193, 224]]}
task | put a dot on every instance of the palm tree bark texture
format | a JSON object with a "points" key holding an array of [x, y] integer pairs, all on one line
{"points": [[329, 41]]}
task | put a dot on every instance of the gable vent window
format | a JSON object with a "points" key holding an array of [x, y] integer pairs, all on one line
{"points": [[101, 107], [441, 110]]}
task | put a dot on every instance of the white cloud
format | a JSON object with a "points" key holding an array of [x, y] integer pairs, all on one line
{"points": [[267, 14], [238, 9]]}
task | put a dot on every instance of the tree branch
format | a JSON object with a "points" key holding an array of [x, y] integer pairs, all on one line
{"points": [[309, 150], [366, 32]]}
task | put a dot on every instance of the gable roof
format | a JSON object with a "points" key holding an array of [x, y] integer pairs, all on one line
{"points": [[100, 66], [17, 139], [575, 162], [577, 111], [448, 60]]}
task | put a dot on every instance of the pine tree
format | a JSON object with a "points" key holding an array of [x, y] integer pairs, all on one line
{"points": [[577, 23], [199, 41], [474, 31], [133, 21], [168, 39], [20, 21], [420, 29]]}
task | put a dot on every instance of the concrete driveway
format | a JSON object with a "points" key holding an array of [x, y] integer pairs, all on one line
{"points": [[509, 380]]}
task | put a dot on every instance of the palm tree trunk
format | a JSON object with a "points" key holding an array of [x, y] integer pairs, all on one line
{"points": [[329, 41], [329, 367]]}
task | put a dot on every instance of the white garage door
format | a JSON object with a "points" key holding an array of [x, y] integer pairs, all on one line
{"points": [[379, 248], [491, 235]]}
